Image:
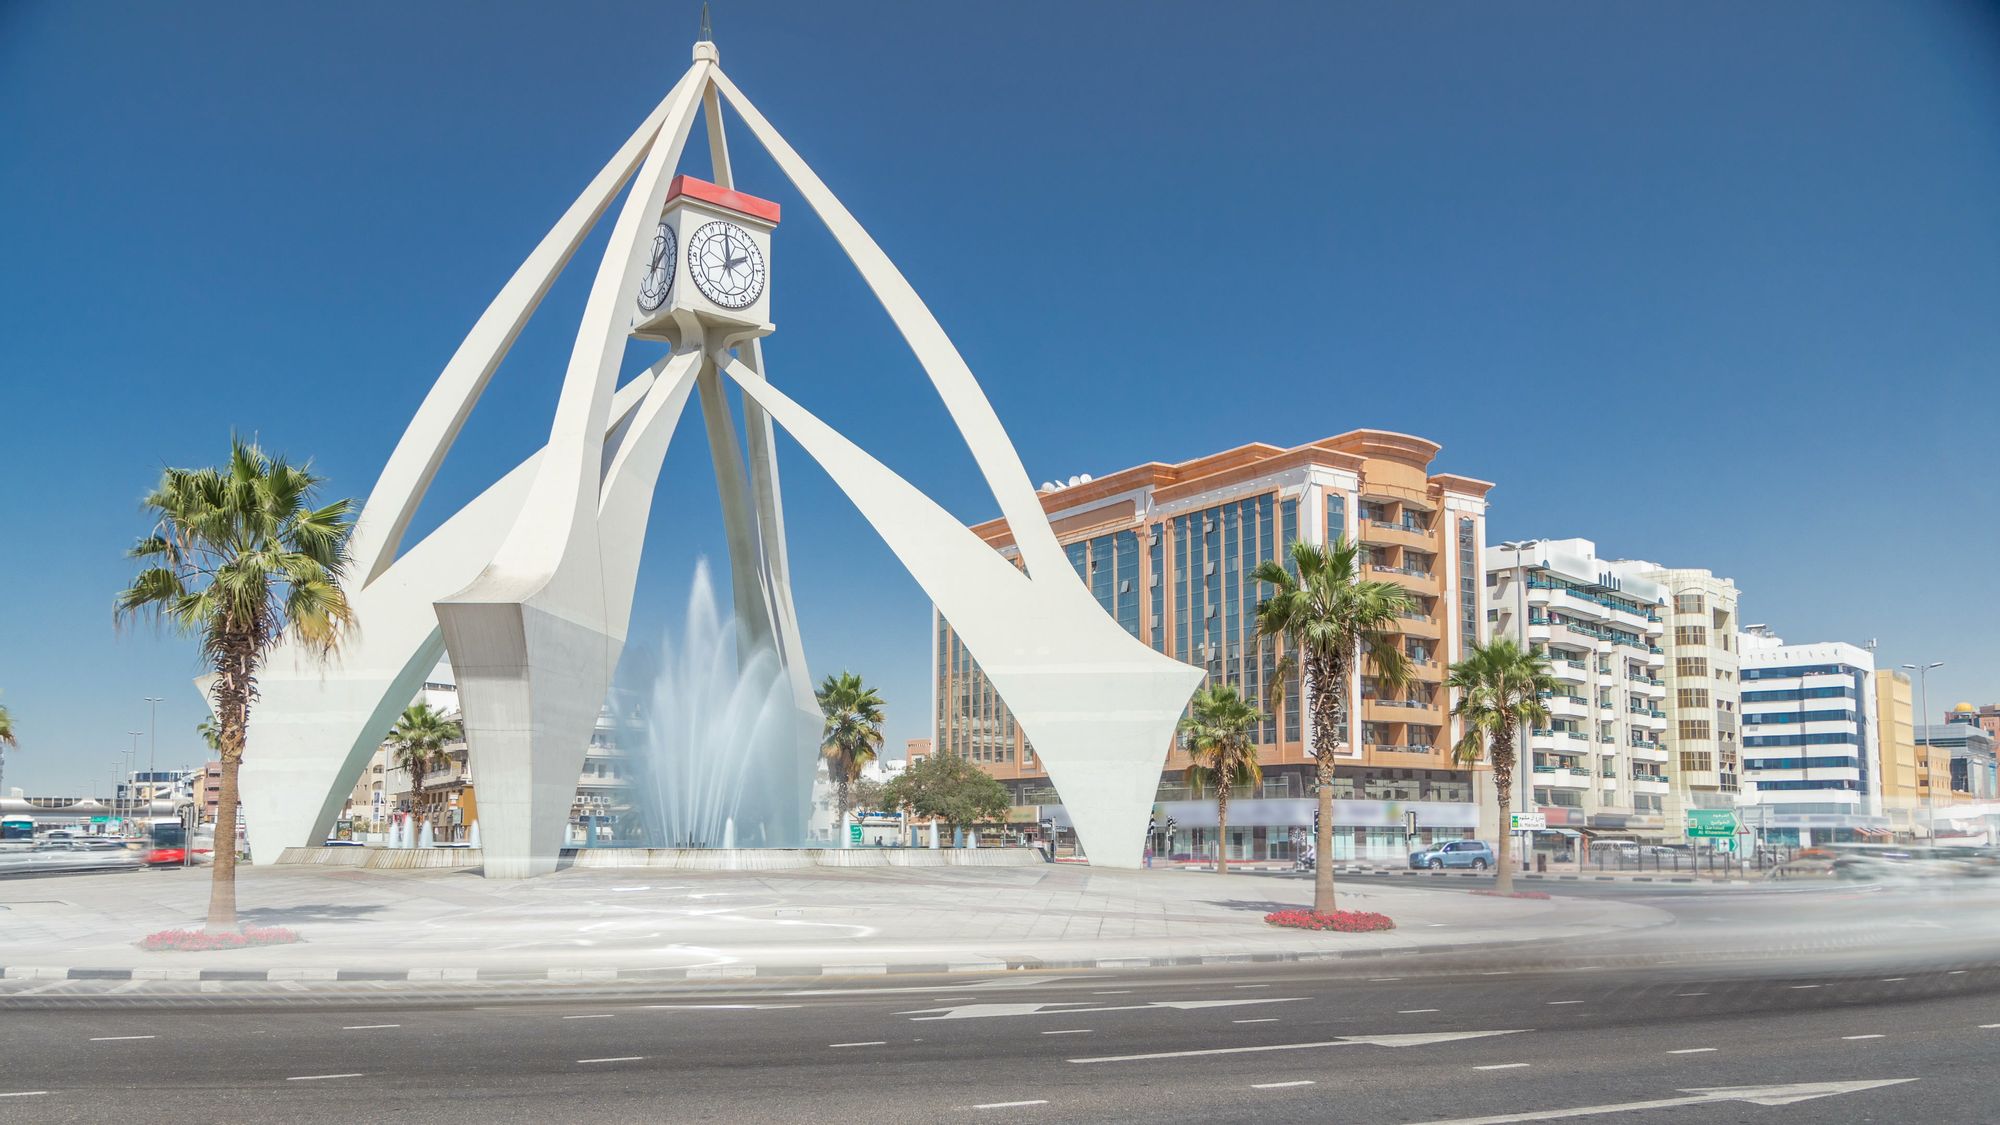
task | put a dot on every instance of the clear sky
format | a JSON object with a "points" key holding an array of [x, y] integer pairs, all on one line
{"points": [[1711, 283]]}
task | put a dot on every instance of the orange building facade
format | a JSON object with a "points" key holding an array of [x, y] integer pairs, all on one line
{"points": [[1167, 549]]}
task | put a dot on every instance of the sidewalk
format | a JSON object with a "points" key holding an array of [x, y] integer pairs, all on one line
{"points": [[584, 924]]}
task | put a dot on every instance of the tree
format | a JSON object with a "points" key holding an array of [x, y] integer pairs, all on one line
{"points": [[417, 743], [947, 787], [211, 735], [1500, 688], [852, 735], [867, 793], [7, 742], [240, 559], [1322, 609], [1216, 734]]}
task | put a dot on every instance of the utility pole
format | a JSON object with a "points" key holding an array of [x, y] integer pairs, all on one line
{"points": [[153, 745], [127, 785], [1923, 672]]}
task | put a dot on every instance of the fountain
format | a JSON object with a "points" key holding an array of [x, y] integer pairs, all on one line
{"points": [[720, 754]]}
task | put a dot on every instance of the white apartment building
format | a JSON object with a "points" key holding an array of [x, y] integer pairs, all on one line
{"points": [[1812, 757], [1598, 768], [1703, 763]]}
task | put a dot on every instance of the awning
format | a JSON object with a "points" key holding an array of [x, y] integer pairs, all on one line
{"points": [[1874, 833], [1570, 832]]}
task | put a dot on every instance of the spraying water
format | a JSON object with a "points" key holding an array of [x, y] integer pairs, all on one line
{"points": [[721, 756]]}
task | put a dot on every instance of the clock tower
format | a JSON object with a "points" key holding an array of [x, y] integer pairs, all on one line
{"points": [[710, 265]]}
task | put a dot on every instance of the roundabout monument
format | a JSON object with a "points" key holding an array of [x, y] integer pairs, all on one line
{"points": [[528, 588]]}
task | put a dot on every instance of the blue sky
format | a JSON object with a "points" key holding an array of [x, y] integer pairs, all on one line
{"points": [[1713, 284]]}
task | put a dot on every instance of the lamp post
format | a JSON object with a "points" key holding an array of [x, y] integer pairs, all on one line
{"points": [[152, 745], [1923, 672], [128, 786], [1522, 776]]}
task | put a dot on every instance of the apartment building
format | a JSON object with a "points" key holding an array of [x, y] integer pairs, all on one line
{"points": [[1597, 768], [1167, 549], [1913, 779], [1812, 759], [1699, 665], [1967, 751]]}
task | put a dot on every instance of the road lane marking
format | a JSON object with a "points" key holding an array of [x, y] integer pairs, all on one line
{"points": [[1279, 1085], [117, 1038], [1956, 973], [1253, 986], [1062, 1008], [369, 1026], [1553, 1002], [1892, 980], [1754, 1095], [1861, 1037], [1265, 1019], [1415, 1011], [1987, 1025], [317, 1077], [1113, 992], [1378, 980], [869, 1043], [724, 1007], [1501, 1066], [25, 1094], [1413, 1040], [614, 1058], [1690, 994], [1010, 1105], [1499, 973], [598, 1016], [951, 999], [1692, 1051], [1796, 987], [1069, 1031]]}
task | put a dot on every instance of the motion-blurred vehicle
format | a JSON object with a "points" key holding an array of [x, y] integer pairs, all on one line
{"points": [[1458, 853], [1892, 863], [45, 857]]}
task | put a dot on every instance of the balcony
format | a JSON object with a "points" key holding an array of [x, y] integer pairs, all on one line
{"points": [[1408, 577], [1649, 782], [1567, 706], [1397, 533], [1430, 671], [1401, 711], [1556, 778], [1419, 625]]}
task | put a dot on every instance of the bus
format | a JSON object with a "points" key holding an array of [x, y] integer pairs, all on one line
{"points": [[17, 827]]}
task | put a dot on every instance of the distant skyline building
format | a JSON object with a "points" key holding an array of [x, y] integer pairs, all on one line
{"points": [[1699, 664], [1812, 758], [1598, 767], [1910, 783], [1166, 549], [1971, 759]]}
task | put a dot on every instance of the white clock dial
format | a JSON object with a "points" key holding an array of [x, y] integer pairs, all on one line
{"points": [[726, 265], [658, 279]]}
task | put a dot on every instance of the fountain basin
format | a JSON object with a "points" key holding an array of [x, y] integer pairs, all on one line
{"points": [[679, 859]]}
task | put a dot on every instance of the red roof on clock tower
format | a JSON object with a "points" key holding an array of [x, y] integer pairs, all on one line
{"points": [[717, 196]]}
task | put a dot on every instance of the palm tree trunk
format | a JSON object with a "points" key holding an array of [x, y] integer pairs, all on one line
{"points": [[1503, 780], [841, 797], [1222, 828], [1324, 684], [234, 687]]}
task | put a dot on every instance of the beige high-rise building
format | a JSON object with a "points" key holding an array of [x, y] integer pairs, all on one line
{"points": [[1912, 778], [1703, 698]]}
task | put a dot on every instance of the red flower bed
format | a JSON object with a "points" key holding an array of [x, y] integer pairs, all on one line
{"points": [[1339, 921], [198, 941], [1516, 894]]}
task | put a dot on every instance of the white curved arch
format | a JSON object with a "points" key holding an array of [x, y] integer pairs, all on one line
{"points": [[1098, 705]]}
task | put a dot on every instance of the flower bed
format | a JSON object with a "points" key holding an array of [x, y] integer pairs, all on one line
{"points": [[1338, 921], [200, 941], [1516, 894]]}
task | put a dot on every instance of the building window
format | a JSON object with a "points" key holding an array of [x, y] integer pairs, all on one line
{"points": [[1691, 636], [1692, 697], [1695, 730], [1468, 584], [1689, 603], [1690, 665], [1697, 761]]}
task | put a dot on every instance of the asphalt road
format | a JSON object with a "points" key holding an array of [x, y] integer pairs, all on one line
{"points": [[1428, 1039]]}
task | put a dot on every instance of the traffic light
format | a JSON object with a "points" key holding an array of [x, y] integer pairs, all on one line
{"points": [[1315, 824]]}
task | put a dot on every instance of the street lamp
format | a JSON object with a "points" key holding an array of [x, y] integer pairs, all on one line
{"points": [[153, 745], [127, 786], [1522, 776], [1923, 672]]}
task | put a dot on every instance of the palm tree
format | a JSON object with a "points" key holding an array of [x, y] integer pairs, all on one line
{"points": [[1321, 608], [852, 735], [7, 743], [417, 743], [1500, 688], [211, 735], [1216, 734], [239, 558]]}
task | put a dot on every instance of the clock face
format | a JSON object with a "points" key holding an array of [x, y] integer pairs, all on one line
{"points": [[726, 265], [658, 280]]}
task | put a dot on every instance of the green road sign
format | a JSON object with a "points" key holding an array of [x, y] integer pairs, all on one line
{"points": [[1711, 823], [854, 833], [100, 820]]}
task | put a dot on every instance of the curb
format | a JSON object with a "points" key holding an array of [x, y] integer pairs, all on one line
{"points": [[732, 972], [1383, 872]]}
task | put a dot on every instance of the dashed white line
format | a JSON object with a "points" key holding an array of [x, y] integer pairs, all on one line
{"points": [[1861, 1037], [1797, 987], [1069, 1031], [117, 1038], [1892, 980], [1378, 980], [1253, 986], [1415, 1011], [598, 1016], [1499, 973], [1501, 1066], [369, 1026], [614, 1058], [1266, 1019], [1956, 973], [1989, 1025], [1692, 1051], [1690, 994], [951, 999], [25, 1094], [317, 1077], [869, 1043], [1279, 1085], [1113, 992], [1010, 1105], [1555, 1002]]}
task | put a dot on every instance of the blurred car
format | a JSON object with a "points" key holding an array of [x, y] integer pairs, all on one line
{"points": [[1458, 853], [70, 855]]}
